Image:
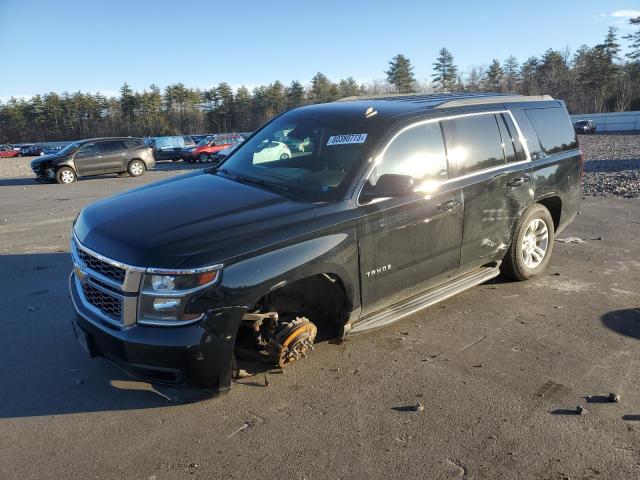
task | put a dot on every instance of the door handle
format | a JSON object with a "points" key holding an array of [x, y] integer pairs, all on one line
{"points": [[448, 206], [517, 182]]}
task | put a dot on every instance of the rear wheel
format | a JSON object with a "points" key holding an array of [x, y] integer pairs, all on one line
{"points": [[65, 175], [284, 156], [531, 244], [203, 157], [135, 168]]}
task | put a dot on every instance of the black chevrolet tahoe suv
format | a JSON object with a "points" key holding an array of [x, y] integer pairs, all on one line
{"points": [[397, 203], [94, 156]]}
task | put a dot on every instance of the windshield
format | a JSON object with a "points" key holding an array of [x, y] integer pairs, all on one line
{"points": [[313, 156], [70, 148], [204, 142]]}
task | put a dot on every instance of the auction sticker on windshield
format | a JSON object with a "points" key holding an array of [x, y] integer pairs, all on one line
{"points": [[347, 139]]}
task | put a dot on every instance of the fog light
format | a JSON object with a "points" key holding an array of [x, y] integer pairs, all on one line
{"points": [[166, 305]]}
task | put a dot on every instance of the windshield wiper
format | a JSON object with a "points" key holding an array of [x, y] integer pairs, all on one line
{"points": [[255, 181]]}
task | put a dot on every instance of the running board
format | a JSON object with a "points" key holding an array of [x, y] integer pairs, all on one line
{"points": [[414, 304]]}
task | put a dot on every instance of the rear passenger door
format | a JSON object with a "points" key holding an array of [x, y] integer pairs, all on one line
{"points": [[494, 173], [113, 156], [410, 243]]}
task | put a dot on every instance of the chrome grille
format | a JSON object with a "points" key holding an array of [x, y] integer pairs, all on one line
{"points": [[107, 304], [102, 267]]}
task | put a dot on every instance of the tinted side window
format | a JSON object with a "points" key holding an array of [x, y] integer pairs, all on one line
{"points": [[418, 152], [507, 141], [89, 149], [554, 129], [515, 138], [132, 143], [530, 135], [111, 146], [473, 143]]}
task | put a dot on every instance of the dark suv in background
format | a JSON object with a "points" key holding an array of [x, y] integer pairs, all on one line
{"points": [[585, 126], [95, 156]]}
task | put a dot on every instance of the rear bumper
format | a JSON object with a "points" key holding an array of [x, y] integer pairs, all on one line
{"points": [[197, 355]]}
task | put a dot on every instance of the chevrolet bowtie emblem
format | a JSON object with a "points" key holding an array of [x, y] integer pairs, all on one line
{"points": [[80, 272]]}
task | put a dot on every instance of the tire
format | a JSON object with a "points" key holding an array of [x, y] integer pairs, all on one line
{"points": [[66, 175], [284, 156], [531, 244], [203, 158], [136, 168]]}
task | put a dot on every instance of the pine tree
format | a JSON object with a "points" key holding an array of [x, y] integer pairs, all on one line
{"points": [[348, 87], [634, 39], [611, 46], [295, 94], [511, 74], [445, 71], [493, 78], [400, 74], [322, 89], [529, 76]]}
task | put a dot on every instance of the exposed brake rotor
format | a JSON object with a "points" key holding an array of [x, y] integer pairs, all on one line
{"points": [[293, 342]]}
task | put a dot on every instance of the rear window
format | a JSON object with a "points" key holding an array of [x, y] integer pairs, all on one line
{"points": [[473, 143], [554, 129]]}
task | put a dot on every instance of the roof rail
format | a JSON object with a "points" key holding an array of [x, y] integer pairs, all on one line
{"points": [[450, 99], [494, 99]]}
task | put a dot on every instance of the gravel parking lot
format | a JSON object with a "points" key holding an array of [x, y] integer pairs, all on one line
{"points": [[499, 369], [612, 166]]}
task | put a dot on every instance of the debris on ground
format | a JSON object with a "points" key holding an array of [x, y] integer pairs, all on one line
{"points": [[614, 397], [31, 309], [244, 426], [418, 407], [580, 410], [570, 240]]}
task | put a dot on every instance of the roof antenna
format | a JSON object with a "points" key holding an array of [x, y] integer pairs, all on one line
{"points": [[370, 113]]}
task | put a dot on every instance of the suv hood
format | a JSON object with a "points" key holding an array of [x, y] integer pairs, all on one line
{"points": [[48, 158], [189, 221]]}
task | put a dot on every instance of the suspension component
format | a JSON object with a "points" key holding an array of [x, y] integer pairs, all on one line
{"points": [[292, 342]]}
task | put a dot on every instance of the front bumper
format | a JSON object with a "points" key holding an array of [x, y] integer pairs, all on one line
{"points": [[197, 355]]}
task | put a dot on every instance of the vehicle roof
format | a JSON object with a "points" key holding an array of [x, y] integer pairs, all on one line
{"points": [[392, 106], [106, 138]]}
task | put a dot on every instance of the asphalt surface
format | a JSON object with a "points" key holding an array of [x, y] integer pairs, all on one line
{"points": [[499, 370]]}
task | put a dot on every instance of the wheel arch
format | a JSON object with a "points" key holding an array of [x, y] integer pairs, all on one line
{"points": [[553, 203]]}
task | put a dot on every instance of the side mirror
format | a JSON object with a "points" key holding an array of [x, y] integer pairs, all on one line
{"points": [[389, 185]]}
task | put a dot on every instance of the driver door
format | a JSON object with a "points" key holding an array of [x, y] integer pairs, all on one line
{"points": [[408, 244], [88, 159]]}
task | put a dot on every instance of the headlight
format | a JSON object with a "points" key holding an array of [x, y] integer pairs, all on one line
{"points": [[165, 293]]}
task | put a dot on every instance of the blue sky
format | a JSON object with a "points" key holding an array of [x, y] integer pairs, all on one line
{"points": [[90, 45]]}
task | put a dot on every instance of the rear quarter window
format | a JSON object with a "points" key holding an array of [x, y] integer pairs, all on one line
{"points": [[554, 129]]}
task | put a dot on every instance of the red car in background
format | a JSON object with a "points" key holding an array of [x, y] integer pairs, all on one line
{"points": [[207, 149], [8, 151]]}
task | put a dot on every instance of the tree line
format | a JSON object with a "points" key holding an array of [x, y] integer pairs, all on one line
{"points": [[591, 79]]}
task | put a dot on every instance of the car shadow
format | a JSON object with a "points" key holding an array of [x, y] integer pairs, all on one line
{"points": [[18, 181], [44, 370], [625, 322]]}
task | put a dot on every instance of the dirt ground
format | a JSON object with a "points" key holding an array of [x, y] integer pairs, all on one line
{"points": [[499, 370]]}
